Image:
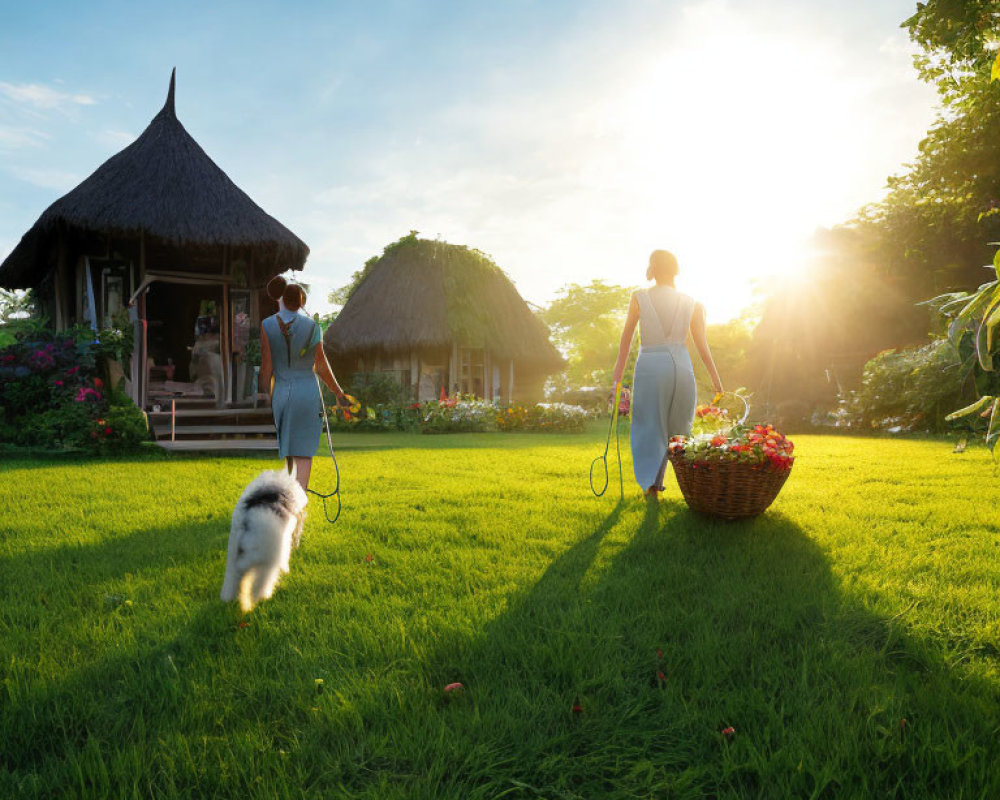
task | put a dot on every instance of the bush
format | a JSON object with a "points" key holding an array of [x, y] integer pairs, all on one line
{"points": [[377, 389], [463, 415], [912, 389], [544, 417], [51, 395]]}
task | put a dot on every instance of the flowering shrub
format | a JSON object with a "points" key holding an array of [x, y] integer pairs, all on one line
{"points": [[51, 396], [545, 417], [458, 415], [761, 445], [455, 414]]}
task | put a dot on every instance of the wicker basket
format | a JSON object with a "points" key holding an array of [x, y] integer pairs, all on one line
{"points": [[727, 489]]}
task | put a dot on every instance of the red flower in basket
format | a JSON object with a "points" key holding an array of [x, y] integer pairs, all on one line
{"points": [[732, 473]]}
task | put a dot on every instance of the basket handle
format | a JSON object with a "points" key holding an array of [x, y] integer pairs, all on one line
{"points": [[738, 396]]}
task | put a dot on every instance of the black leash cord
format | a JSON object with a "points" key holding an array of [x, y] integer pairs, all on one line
{"points": [[612, 426], [336, 468]]}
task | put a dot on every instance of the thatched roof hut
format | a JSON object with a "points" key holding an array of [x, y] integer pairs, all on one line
{"points": [[165, 187], [160, 231], [442, 315]]}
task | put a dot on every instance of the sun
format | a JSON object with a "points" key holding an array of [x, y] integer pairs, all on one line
{"points": [[735, 152]]}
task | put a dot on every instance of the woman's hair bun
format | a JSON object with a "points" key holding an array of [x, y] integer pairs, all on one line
{"points": [[294, 297], [276, 287]]}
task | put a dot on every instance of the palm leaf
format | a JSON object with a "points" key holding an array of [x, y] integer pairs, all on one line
{"points": [[971, 409]]}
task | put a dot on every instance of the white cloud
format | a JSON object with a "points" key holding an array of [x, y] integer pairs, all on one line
{"points": [[47, 178], [722, 136], [16, 138], [115, 139], [38, 96]]}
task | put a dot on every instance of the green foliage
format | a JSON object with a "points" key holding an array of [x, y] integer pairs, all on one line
{"points": [[377, 389], [937, 215], [972, 330], [115, 342], [925, 237], [586, 324], [542, 418], [343, 294], [251, 352], [18, 316], [52, 395], [730, 343], [911, 389], [458, 415]]}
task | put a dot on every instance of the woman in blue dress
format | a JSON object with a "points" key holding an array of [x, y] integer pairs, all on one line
{"points": [[292, 355], [664, 391]]}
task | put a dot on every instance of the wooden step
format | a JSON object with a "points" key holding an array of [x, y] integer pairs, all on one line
{"points": [[204, 431], [189, 413], [220, 445]]}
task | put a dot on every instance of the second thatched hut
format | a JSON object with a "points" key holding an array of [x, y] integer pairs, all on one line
{"points": [[442, 316]]}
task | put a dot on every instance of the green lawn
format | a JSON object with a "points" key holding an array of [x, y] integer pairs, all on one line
{"points": [[851, 635]]}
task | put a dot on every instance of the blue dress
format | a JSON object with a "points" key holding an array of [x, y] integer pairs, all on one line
{"points": [[664, 391], [296, 402]]}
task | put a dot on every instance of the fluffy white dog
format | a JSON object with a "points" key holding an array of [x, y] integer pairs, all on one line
{"points": [[267, 525]]}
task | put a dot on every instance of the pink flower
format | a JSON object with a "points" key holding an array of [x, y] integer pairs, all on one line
{"points": [[454, 687]]}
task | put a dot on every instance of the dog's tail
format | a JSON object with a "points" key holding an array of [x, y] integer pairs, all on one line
{"points": [[258, 584]]}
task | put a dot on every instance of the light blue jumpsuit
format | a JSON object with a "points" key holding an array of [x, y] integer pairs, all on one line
{"points": [[664, 391], [296, 402]]}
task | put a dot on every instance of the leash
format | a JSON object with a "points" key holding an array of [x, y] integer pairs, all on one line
{"points": [[612, 426], [336, 468]]}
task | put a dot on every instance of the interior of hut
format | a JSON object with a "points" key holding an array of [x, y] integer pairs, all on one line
{"points": [[184, 351]]}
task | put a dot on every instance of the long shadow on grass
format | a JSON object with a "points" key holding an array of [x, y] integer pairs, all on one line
{"points": [[616, 673], [174, 690]]}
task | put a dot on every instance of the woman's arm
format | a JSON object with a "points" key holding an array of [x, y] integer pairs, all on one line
{"points": [[266, 373], [626, 343], [322, 368], [701, 342]]}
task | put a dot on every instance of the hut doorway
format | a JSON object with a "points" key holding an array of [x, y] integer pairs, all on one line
{"points": [[184, 330]]}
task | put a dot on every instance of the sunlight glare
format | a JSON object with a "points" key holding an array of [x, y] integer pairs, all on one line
{"points": [[737, 146]]}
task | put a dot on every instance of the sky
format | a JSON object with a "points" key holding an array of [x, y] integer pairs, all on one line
{"points": [[566, 138]]}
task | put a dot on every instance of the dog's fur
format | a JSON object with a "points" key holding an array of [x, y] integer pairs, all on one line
{"points": [[267, 525]]}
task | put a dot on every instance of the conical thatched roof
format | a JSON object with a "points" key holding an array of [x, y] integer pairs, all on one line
{"points": [[165, 185], [424, 293]]}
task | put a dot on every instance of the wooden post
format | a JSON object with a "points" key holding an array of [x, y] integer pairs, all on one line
{"points": [[61, 301], [225, 350], [173, 418], [414, 375], [487, 393], [510, 383], [140, 344]]}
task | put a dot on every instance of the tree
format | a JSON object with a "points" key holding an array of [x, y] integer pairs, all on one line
{"points": [[929, 235], [938, 216], [586, 324]]}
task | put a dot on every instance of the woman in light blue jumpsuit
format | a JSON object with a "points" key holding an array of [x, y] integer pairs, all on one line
{"points": [[664, 391], [292, 354]]}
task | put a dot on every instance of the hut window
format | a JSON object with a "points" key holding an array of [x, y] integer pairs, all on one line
{"points": [[471, 372]]}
